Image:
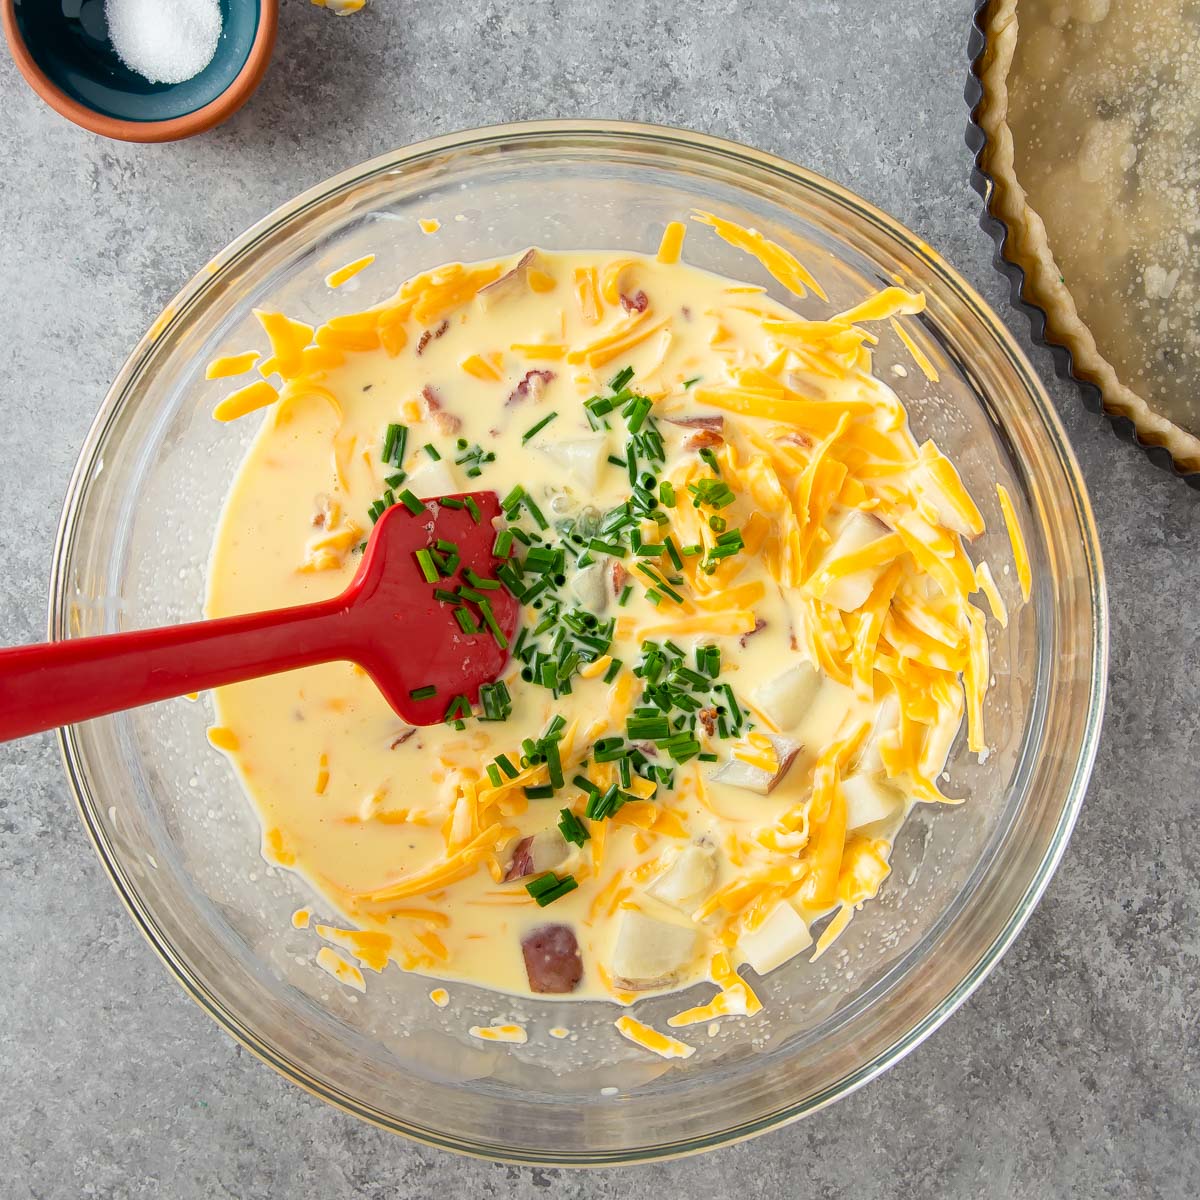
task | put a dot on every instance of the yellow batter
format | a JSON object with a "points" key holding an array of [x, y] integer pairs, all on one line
{"points": [[760, 666]]}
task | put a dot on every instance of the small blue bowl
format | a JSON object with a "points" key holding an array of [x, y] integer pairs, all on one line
{"points": [[70, 63]]}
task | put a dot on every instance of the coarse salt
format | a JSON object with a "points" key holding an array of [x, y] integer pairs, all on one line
{"points": [[165, 41]]}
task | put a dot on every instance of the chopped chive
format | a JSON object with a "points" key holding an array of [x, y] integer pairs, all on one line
{"points": [[536, 513], [572, 828], [505, 764], [466, 622], [669, 542], [558, 889], [666, 493], [493, 774], [544, 792], [431, 450], [502, 544], [459, 706], [479, 583], [620, 379], [609, 749], [394, 481], [394, 443], [543, 883], [648, 729], [410, 502], [496, 701], [489, 619], [473, 509], [692, 550], [626, 592], [534, 430], [428, 569], [423, 693], [687, 383], [614, 669], [709, 457], [450, 502], [617, 462]]}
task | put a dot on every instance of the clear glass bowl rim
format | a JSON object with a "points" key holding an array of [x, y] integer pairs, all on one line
{"points": [[618, 134]]}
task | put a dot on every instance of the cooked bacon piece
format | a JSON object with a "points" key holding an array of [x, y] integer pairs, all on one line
{"points": [[715, 423], [618, 576], [708, 719], [552, 959], [399, 741], [703, 439], [447, 423], [531, 387], [794, 437], [430, 335], [759, 626], [637, 303]]}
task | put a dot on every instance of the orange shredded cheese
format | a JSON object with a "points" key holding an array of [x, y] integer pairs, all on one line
{"points": [[332, 963], [335, 279], [245, 400], [1017, 541], [650, 1039], [672, 242], [231, 364]]}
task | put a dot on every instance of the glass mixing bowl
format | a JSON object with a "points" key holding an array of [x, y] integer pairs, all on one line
{"points": [[179, 840]]}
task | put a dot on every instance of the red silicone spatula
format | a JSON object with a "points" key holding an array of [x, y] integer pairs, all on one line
{"points": [[388, 620]]}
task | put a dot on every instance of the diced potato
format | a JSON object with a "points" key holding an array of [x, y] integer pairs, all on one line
{"points": [[868, 800], [686, 882], [781, 936], [870, 761], [433, 479], [538, 853], [581, 456], [940, 486], [858, 531], [510, 285], [650, 953], [590, 587], [759, 780], [785, 699]]}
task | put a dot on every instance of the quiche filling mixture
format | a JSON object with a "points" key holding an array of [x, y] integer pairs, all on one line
{"points": [[750, 629]]}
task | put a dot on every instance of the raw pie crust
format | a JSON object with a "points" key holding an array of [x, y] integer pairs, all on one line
{"points": [[1120, 77]]}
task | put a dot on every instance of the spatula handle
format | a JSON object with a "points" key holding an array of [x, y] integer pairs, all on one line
{"points": [[59, 683]]}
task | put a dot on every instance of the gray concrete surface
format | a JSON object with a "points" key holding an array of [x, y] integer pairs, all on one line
{"points": [[1073, 1071]]}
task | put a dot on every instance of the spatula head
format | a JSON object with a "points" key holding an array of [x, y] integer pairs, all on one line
{"points": [[409, 639]]}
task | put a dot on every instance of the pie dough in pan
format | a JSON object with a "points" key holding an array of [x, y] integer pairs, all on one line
{"points": [[1095, 179]]}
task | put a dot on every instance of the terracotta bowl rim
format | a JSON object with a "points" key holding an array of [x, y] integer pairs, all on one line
{"points": [[173, 129]]}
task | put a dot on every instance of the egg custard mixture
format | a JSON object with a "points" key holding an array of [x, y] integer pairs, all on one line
{"points": [[747, 639]]}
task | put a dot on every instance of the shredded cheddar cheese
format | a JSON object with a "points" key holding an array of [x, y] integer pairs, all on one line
{"points": [[335, 279], [650, 1039], [750, 621]]}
